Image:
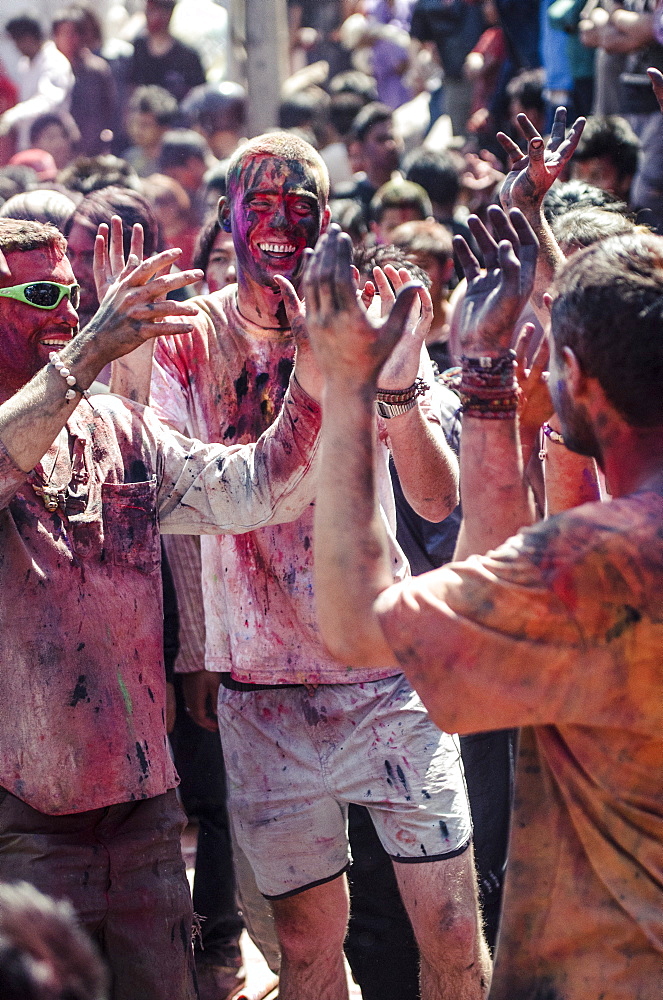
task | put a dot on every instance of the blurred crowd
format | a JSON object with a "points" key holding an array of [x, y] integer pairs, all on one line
{"points": [[403, 99]]}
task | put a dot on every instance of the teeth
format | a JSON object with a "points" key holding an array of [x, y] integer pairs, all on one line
{"points": [[55, 343], [277, 247]]}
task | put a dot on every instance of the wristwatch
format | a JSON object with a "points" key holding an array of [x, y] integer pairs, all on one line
{"points": [[389, 410]]}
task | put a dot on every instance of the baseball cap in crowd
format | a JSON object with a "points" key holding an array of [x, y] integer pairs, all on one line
{"points": [[39, 160]]}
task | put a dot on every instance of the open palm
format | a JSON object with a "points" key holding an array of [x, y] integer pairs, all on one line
{"points": [[532, 175], [496, 297]]}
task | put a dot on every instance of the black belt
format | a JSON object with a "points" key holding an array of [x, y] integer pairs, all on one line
{"points": [[231, 684]]}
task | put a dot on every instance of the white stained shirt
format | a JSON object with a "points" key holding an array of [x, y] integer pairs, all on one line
{"points": [[44, 85]]}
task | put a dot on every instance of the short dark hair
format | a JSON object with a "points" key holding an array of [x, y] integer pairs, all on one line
{"points": [[132, 207], [610, 137], [353, 81], [41, 205], [426, 237], [399, 193], [437, 174], [71, 15], [565, 197], [370, 115], [215, 107], [283, 145], [348, 213], [366, 258], [178, 146], [24, 25], [343, 110], [93, 173], [608, 308], [156, 101], [25, 235], [527, 87], [61, 118]]}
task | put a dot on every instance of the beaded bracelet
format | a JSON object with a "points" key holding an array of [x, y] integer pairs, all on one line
{"points": [[488, 387], [70, 379], [397, 396]]}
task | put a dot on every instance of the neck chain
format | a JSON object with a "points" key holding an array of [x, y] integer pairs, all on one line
{"points": [[52, 496]]}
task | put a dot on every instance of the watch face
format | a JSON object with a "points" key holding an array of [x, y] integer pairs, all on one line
{"points": [[389, 410]]}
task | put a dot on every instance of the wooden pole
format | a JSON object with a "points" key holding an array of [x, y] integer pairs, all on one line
{"points": [[267, 61]]}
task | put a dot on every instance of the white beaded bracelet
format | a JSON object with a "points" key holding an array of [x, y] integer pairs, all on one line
{"points": [[70, 379]]}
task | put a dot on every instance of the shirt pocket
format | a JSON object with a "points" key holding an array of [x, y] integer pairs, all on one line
{"points": [[131, 532]]}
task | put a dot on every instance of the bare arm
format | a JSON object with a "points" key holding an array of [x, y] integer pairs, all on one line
{"points": [[351, 555], [427, 468], [495, 496], [130, 314], [527, 183]]}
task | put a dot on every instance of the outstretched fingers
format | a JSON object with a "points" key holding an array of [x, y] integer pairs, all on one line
{"points": [[502, 228], [568, 147], [150, 268], [101, 264], [487, 245], [116, 249], [466, 259], [137, 247], [397, 321], [558, 130], [511, 148], [509, 266]]}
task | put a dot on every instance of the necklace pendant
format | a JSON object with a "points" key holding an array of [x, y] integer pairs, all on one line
{"points": [[50, 496]]}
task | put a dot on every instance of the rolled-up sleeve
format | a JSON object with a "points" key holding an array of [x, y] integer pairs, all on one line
{"points": [[212, 489]]}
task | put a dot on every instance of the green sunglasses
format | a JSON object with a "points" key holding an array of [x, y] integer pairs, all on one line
{"points": [[43, 294]]}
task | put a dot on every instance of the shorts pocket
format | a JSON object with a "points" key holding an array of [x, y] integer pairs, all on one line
{"points": [[131, 533]]}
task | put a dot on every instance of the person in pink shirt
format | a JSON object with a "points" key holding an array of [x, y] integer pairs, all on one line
{"points": [[88, 808]]}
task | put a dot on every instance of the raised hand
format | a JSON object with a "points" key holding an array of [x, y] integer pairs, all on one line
{"points": [[134, 308], [495, 299], [534, 405], [109, 259], [402, 367], [346, 341], [531, 175]]}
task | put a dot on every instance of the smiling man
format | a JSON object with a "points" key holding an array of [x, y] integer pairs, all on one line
{"points": [[88, 808], [302, 736]]}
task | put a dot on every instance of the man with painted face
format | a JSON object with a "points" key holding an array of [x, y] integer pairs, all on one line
{"points": [[302, 735], [88, 808]]}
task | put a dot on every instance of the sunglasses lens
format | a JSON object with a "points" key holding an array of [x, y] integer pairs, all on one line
{"points": [[42, 293], [75, 296]]}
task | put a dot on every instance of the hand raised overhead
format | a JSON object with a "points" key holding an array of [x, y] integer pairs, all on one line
{"points": [[532, 174], [495, 299], [347, 343], [134, 307]]}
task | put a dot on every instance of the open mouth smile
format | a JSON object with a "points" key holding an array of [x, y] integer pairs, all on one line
{"points": [[278, 249], [55, 342]]}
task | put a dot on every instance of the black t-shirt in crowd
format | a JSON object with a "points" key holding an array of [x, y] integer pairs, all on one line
{"points": [[177, 71]]}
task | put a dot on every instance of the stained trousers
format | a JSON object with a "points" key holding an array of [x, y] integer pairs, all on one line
{"points": [[121, 867]]}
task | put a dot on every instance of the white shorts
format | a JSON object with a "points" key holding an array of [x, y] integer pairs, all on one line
{"points": [[295, 760]]}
